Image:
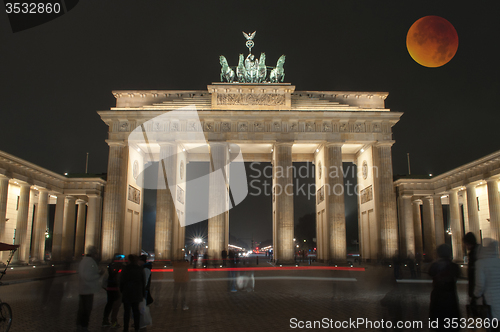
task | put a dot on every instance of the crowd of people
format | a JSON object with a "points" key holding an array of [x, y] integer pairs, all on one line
{"points": [[127, 284]]}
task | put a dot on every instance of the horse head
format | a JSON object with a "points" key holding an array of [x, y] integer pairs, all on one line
{"points": [[222, 60]]}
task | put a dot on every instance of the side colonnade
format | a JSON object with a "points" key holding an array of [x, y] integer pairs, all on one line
{"points": [[26, 193], [471, 198]]}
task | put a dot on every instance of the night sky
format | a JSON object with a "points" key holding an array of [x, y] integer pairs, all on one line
{"points": [[56, 76]]}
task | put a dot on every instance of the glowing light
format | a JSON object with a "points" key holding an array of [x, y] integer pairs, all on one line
{"points": [[197, 240]]}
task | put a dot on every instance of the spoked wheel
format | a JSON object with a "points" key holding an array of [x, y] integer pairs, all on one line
{"points": [[5, 317]]}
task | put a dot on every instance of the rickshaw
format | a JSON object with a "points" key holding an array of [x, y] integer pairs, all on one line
{"points": [[5, 310]]}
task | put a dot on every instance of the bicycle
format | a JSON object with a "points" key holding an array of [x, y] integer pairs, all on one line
{"points": [[5, 310]]}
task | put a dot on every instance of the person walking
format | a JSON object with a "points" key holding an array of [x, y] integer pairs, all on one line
{"points": [[181, 279], [444, 298], [133, 288], [224, 257], [111, 284], [487, 276], [148, 299], [472, 247], [88, 284]]}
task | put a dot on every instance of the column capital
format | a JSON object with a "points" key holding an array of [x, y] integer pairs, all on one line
{"points": [[471, 185], [81, 201], [215, 143], [70, 198], [384, 143], [492, 179], [416, 199], [437, 196], [333, 143], [4, 176], [167, 143], [283, 143]]}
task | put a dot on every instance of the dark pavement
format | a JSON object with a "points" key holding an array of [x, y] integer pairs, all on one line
{"points": [[281, 298]]}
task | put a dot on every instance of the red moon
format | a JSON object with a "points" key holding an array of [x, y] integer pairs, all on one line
{"points": [[432, 41]]}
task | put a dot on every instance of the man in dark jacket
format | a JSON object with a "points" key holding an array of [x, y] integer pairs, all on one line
{"points": [[133, 288], [113, 292]]}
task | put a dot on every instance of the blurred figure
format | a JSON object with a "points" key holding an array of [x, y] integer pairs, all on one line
{"points": [[133, 288], [181, 279], [487, 276], [195, 258], [232, 273], [472, 247], [205, 259], [148, 299], [444, 299], [88, 284], [224, 257], [411, 265], [418, 263], [111, 283], [396, 261]]}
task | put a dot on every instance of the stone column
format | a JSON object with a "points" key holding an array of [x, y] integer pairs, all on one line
{"points": [[494, 206], [38, 246], [114, 199], [456, 227], [283, 186], [68, 228], [386, 200], [334, 197], [22, 238], [417, 228], [165, 207], [438, 220], [472, 211], [4, 190], [93, 228], [57, 236], [429, 229], [80, 229], [218, 199], [407, 225]]}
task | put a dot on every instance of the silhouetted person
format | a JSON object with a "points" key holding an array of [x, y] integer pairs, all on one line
{"points": [[232, 273], [411, 265], [224, 257], [205, 260], [88, 284], [195, 258], [181, 280], [145, 314], [133, 288], [444, 299], [112, 286], [472, 247], [396, 262], [487, 276]]}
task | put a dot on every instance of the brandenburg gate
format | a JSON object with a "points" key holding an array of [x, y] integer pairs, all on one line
{"points": [[258, 119]]}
